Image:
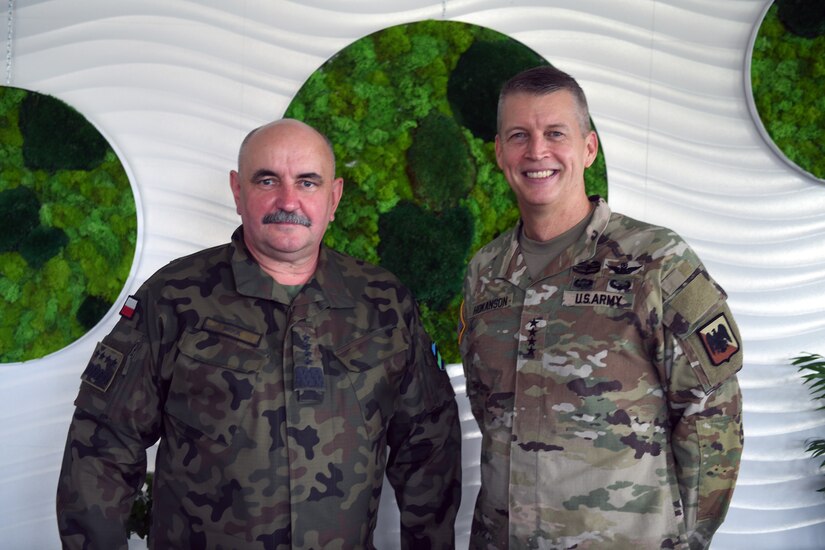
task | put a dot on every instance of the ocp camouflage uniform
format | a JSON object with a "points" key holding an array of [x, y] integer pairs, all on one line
{"points": [[273, 417], [605, 391]]}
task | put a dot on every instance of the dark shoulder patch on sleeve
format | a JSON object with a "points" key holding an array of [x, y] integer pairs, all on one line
{"points": [[719, 339], [102, 367]]}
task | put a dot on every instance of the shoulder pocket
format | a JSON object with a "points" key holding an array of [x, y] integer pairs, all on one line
{"points": [[104, 381], [696, 312], [212, 383]]}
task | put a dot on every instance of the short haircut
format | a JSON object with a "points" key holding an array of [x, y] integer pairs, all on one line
{"points": [[543, 80], [249, 136]]}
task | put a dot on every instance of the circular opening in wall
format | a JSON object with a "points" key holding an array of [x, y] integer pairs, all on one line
{"points": [[785, 76], [69, 225], [411, 111]]}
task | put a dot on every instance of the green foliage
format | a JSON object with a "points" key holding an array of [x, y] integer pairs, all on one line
{"points": [[425, 250], [478, 77], [788, 76], [439, 160], [92, 310], [42, 244], [804, 18], [77, 146], [19, 210], [413, 168], [813, 367], [75, 233]]}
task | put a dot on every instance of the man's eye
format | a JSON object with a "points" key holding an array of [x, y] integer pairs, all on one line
{"points": [[518, 136], [307, 184], [266, 182]]}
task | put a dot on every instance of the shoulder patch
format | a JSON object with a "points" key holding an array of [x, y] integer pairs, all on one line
{"points": [[719, 340], [102, 367], [129, 307]]}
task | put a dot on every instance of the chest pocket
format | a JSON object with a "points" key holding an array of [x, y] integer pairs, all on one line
{"points": [[374, 368], [212, 383]]}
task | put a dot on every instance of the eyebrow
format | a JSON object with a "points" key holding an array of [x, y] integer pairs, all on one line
{"points": [[554, 126], [265, 172]]}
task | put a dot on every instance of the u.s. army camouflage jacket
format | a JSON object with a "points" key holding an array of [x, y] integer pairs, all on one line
{"points": [[274, 419], [605, 391]]}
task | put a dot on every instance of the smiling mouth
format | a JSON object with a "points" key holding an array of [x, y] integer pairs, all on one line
{"points": [[541, 174]]}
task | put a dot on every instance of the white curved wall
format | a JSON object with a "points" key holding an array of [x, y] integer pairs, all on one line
{"points": [[175, 84]]}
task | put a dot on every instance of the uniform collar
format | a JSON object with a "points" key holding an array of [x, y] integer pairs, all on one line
{"points": [[326, 285], [511, 265]]}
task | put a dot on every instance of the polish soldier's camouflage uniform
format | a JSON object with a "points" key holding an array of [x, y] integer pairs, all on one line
{"points": [[273, 417], [605, 390]]}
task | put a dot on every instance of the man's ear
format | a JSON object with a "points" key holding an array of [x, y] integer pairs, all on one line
{"points": [[592, 145], [235, 186], [337, 193], [498, 151]]}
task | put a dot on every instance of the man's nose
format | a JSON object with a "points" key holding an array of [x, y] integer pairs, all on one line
{"points": [[537, 148], [287, 198]]}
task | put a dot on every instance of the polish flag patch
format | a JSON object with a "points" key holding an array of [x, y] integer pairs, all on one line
{"points": [[129, 307]]}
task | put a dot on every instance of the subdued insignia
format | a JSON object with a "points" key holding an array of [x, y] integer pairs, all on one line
{"points": [[623, 267], [719, 340], [593, 298], [534, 340], [308, 383], [102, 367], [438, 359], [587, 268], [583, 284], [129, 307], [494, 303], [620, 285], [227, 329]]}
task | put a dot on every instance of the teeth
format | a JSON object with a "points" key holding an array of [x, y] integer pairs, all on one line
{"points": [[541, 174]]}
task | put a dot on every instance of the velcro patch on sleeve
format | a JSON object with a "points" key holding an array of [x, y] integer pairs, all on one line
{"points": [[102, 367], [684, 310]]}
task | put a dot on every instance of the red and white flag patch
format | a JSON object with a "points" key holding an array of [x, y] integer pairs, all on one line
{"points": [[129, 307]]}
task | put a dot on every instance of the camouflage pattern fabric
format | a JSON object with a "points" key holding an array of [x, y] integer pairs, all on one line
{"points": [[605, 390], [275, 420]]}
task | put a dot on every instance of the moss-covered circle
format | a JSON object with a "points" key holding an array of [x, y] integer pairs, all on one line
{"points": [[411, 113], [69, 227], [787, 79]]}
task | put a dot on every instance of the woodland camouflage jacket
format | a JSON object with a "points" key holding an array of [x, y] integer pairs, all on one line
{"points": [[605, 390], [273, 418]]}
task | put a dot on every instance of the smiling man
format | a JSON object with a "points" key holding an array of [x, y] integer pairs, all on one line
{"points": [[600, 356], [283, 381]]}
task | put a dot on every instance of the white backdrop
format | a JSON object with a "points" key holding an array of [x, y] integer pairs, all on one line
{"points": [[175, 84]]}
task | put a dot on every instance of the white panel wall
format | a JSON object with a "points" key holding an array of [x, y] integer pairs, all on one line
{"points": [[175, 84]]}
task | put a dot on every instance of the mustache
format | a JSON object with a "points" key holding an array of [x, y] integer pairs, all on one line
{"points": [[282, 216]]}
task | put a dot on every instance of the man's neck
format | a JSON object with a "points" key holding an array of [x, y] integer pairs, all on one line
{"points": [[544, 224], [288, 271]]}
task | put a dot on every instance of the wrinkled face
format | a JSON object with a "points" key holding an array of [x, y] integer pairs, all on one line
{"points": [[542, 149], [285, 191]]}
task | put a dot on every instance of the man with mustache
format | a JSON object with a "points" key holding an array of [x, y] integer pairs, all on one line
{"points": [[282, 379], [600, 356]]}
